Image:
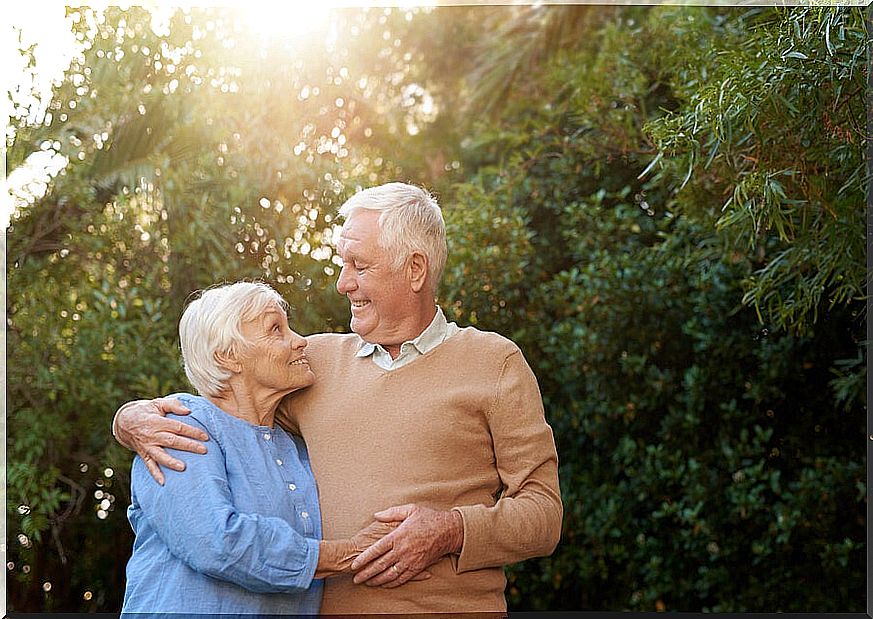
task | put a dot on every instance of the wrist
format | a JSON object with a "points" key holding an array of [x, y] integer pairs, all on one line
{"points": [[455, 538], [347, 552], [335, 557], [115, 417]]}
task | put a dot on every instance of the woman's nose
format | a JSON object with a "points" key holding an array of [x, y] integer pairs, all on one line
{"points": [[298, 341]]}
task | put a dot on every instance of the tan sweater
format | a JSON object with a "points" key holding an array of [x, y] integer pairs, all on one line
{"points": [[461, 426]]}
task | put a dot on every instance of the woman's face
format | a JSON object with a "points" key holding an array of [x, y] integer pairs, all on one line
{"points": [[274, 359]]}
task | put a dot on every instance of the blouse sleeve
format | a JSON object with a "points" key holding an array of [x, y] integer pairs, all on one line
{"points": [[194, 515]]}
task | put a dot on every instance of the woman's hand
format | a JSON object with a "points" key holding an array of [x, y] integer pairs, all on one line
{"points": [[371, 534], [141, 425]]}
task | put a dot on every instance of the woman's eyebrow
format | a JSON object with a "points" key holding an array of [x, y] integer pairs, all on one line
{"points": [[269, 315]]}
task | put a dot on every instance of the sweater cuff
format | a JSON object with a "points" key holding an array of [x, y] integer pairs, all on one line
{"points": [[471, 555]]}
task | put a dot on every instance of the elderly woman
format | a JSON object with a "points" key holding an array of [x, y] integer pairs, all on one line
{"points": [[240, 531]]}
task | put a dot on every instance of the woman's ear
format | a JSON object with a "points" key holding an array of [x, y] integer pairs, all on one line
{"points": [[417, 271], [227, 360]]}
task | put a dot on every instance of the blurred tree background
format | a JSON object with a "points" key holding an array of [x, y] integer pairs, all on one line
{"points": [[663, 206]]}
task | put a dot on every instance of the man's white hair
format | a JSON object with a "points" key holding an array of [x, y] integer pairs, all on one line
{"points": [[410, 220], [211, 324]]}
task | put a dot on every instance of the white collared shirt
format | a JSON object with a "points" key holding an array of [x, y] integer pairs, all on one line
{"points": [[437, 332]]}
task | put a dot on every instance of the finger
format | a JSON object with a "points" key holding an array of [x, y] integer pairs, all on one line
{"points": [[406, 574], [154, 470], [398, 512], [423, 575], [170, 405], [183, 429], [376, 569], [385, 579], [373, 552], [163, 428], [162, 458], [171, 440], [391, 584], [174, 426]]}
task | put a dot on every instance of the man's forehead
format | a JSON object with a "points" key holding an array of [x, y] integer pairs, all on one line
{"points": [[357, 231], [352, 232], [362, 220]]}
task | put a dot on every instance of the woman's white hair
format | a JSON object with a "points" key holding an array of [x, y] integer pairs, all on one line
{"points": [[211, 324], [410, 220]]}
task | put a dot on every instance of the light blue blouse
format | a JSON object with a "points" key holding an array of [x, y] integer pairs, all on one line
{"points": [[237, 532]]}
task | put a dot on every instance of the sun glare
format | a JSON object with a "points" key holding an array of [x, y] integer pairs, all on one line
{"points": [[286, 19]]}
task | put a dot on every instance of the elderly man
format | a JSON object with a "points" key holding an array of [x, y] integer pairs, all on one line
{"points": [[443, 423]]}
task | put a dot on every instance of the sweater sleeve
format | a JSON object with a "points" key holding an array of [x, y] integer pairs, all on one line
{"points": [[525, 522], [194, 515]]}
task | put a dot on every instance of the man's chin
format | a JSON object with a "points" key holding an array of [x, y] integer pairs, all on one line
{"points": [[359, 327]]}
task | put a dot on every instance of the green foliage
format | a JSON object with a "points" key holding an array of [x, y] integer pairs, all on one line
{"points": [[661, 206], [772, 113], [710, 461]]}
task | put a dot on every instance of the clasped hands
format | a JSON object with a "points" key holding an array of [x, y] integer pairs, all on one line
{"points": [[422, 537]]}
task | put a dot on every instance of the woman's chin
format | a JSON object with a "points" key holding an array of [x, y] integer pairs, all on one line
{"points": [[301, 382]]}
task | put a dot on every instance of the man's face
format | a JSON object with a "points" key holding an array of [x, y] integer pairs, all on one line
{"points": [[380, 297]]}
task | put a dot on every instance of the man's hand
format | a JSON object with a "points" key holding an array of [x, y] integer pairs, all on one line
{"points": [[424, 536], [141, 426]]}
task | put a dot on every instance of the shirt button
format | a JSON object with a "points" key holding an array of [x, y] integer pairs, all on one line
{"points": [[266, 437], [304, 514], [278, 461], [292, 487]]}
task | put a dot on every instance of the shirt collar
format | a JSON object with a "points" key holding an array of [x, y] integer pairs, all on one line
{"points": [[426, 341]]}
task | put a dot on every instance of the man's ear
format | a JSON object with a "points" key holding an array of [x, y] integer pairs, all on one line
{"points": [[227, 360], [417, 269]]}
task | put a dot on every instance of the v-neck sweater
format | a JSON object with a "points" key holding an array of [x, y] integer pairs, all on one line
{"points": [[460, 427]]}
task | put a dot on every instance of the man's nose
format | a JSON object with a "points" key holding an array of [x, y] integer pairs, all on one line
{"points": [[345, 281]]}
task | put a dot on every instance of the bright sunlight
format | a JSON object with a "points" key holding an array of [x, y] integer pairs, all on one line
{"points": [[281, 20]]}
